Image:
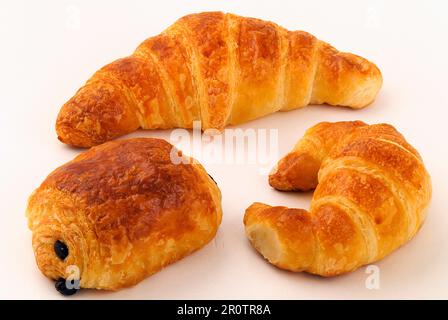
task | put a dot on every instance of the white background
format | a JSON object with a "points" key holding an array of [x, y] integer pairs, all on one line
{"points": [[49, 48]]}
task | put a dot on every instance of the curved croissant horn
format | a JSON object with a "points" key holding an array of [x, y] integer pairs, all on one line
{"points": [[371, 195], [217, 68]]}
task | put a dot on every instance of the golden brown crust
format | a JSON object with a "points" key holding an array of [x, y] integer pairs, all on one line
{"points": [[261, 218], [124, 210], [98, 112], [344, 79], [300, 69], [207, 36], [218, 68], [371, 198], [259, 60], [171, 60], [298, 169]]}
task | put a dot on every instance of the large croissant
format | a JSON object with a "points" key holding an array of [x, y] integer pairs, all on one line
{"points": [[120, 212], [217, 68], [372, 192]]}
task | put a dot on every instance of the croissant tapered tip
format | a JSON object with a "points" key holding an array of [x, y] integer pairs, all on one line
{"points": [[370, 88], [345, 79], [279, 234], [365, 81], [77, 138], [98, 112], [295, 172]]}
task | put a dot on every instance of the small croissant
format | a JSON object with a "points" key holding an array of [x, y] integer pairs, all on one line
{"points": [[216, 68], [372, 190], [120, 212]]}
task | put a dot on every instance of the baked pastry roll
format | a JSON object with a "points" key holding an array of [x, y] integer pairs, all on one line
{"points": [[216, 68], [372, 191], [120, 212]]}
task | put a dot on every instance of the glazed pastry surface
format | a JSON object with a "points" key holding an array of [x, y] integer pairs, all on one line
{"points": [[372, 191], [124, 211], [216, 68]]}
